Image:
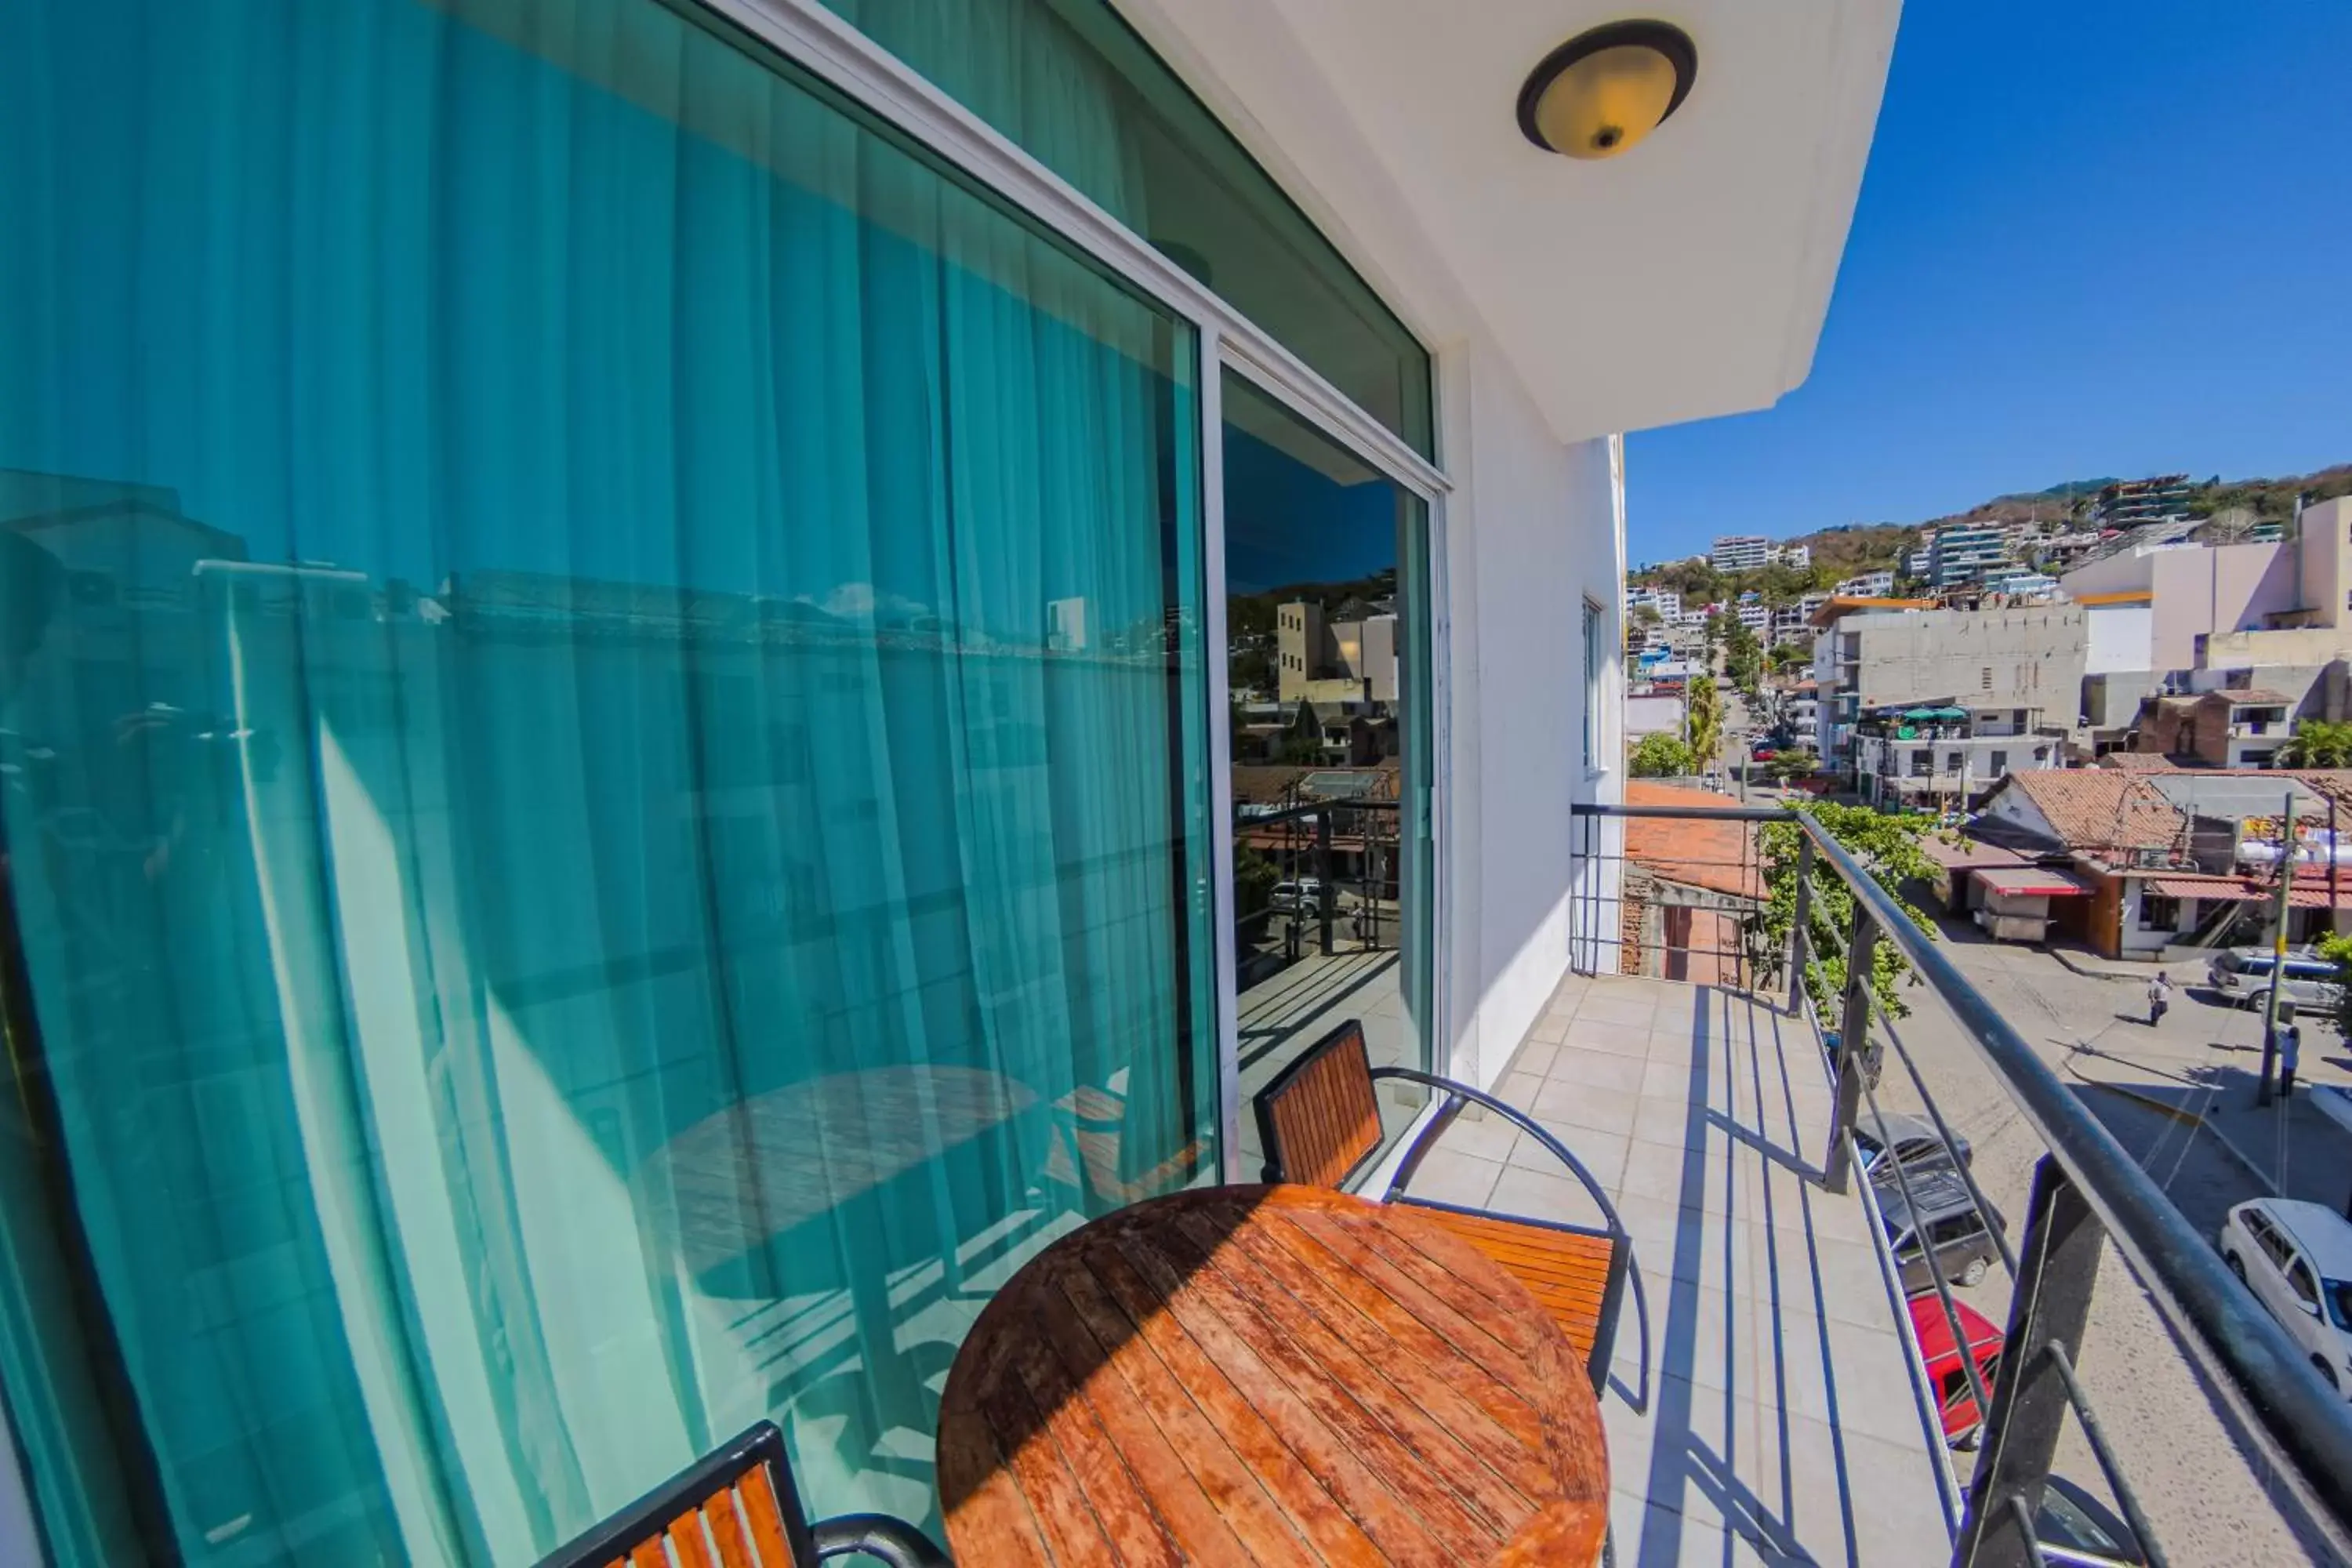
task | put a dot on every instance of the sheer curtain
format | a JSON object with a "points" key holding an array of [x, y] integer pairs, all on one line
{"points": [[604, 799]]}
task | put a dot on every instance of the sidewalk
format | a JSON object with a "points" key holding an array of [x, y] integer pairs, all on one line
{"points": [[2292, 1147], [2292, 1143], [2091, 966]]}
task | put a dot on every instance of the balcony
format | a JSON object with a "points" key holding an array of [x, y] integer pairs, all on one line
{"points": [[1769, 1399], [1764, 1390]]}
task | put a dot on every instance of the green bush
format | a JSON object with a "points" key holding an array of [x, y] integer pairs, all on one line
{"points": [[1661, 756]]}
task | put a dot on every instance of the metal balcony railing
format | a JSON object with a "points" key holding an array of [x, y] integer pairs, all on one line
{"points": [[2086, 1192]]}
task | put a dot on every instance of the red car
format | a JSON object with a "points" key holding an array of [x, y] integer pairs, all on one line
{"points": [[1937, 1348], [1763, 754]]}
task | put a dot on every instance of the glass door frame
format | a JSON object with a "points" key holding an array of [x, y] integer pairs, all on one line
{"points": [[826, 45]]}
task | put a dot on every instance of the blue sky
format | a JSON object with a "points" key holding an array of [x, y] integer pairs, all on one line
{"points": [[2095, 237]]}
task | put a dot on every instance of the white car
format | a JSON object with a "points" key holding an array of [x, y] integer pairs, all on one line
{"points": [[2297, 1258]]}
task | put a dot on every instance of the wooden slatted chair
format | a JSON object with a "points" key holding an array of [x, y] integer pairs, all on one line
{"points": [[1319, 1122], [736, 1508]]}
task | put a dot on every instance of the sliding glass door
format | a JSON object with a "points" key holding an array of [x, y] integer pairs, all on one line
{"points": [[1327, 610], [605, 793]]}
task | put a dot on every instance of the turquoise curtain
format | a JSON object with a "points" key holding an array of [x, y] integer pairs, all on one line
{"points": [[605, 798]]}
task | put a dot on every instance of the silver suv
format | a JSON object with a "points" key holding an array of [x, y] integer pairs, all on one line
{"points": [[2242, 976]]}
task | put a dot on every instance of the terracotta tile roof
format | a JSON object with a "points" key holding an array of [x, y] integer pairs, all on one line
{"points": [[2098, 809], [2257, 696], [1717, 856], [2140, 763]]}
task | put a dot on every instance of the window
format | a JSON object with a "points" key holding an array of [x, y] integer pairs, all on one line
{"points": [[1952, 762], [1595, 670], [1922, 765], [2274, 1243], [539, 1074], [1072, 84], [2160, 912], [2303, 1283], [1986, 679], [1956, 1228], [1998, 762]]}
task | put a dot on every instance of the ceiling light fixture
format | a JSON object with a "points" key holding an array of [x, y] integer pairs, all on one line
{"points": [[1602, 92]]}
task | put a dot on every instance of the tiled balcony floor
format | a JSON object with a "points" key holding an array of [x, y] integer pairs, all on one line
{"points": [[1282, 1015], [1761, 1408]]}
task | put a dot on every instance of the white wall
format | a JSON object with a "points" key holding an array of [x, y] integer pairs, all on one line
{"points": [[2119, 638], [1653, 716], [1533, 529]]}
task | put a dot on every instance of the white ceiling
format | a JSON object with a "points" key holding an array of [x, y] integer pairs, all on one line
{"points": [[1686, 279]]}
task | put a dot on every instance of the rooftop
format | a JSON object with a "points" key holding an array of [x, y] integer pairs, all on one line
{"points": [[2095, 809], [1709, 855]]}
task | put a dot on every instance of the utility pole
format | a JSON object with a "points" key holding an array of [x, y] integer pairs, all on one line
{"points": [[2278, 952]]}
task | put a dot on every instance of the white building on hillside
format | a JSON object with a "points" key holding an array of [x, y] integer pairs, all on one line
{"points": [[1740, 551]]}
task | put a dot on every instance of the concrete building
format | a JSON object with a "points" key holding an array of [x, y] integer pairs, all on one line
{"points": [[1875, 656], [2231, 728], [2182, 619], [1800, 557], [1867, 584], [1352, 660], [1966, 553], [1740, 551], [1666, 601], [2136, 503]]}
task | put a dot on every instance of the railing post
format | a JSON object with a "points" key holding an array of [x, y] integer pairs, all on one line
{"points": [[1854, 1038], [1804, 918], [2058, 1264], [1325, 893]]}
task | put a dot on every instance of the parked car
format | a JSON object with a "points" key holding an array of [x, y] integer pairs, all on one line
{"points": [[1763, 753], [2297, 1258], [1939, 1353], [2242, 976], [1912, 1139], [1305, 895], [1946, 1219], [2073, 1519]]}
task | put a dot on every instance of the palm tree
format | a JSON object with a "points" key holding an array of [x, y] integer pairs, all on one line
{"points": [[2318, 743]]}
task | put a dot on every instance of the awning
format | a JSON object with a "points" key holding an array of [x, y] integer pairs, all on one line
{"points": [[2027, 881]]}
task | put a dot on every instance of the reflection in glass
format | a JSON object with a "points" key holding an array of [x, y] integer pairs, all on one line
{"points": [[1327, 609], [601, 769]]}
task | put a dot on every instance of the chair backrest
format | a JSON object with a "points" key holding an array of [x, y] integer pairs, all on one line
{"points": [[1319, 1119], [735, 1508]]}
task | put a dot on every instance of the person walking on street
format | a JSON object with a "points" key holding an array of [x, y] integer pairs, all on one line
{"points": [[2159, 997], [2290, 1047]]}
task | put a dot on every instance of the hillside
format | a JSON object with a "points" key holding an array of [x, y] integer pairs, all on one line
{"points": [[1850, 549]]}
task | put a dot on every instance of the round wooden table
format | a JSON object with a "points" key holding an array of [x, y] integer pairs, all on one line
{"points": [[1277, 1374]]}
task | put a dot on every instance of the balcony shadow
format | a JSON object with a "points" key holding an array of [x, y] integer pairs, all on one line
{"points": [[1689, 1465]]}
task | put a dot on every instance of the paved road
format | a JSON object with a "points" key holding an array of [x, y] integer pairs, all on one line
{"points": [[2207, 1502]]}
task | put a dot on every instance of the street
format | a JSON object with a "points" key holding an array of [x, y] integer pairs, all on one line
{"points": [[2206, 1503]]}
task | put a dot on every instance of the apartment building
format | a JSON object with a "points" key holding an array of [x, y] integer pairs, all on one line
{"points": [[1740, 551], [1352, 660], [2136, 503], [1867, 585], [2007, 672], [2180, 619], [1966, 553], [1666, 601]]}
